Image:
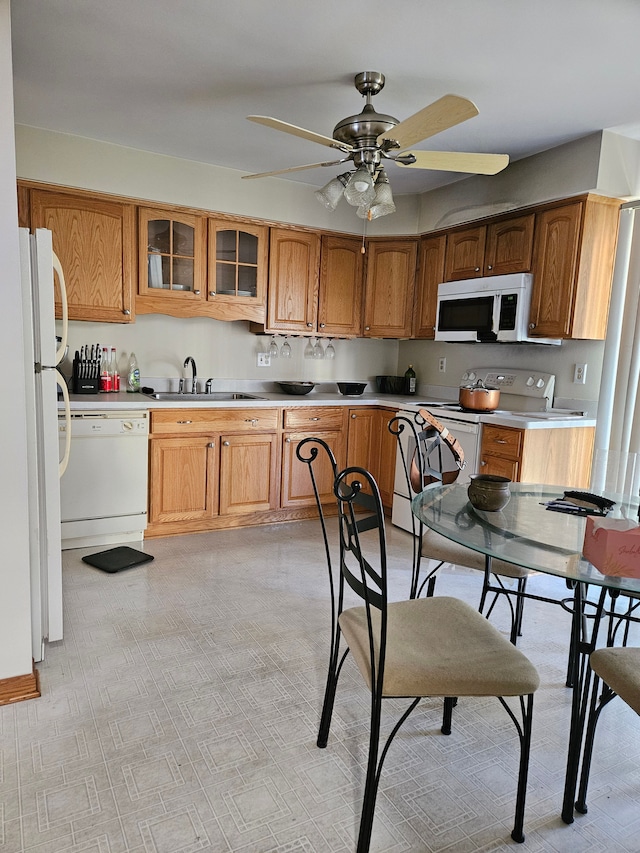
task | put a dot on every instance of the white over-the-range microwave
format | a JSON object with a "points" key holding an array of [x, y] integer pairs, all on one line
{"points": [[490, 309]]}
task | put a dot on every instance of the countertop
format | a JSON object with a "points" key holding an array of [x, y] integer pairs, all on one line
{"points": [[123, 401]]}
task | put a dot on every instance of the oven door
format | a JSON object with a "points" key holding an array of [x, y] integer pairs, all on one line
{"points": [[468, 434]]}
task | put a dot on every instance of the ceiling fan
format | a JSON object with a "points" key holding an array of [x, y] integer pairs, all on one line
{"points": [[369, 138]]}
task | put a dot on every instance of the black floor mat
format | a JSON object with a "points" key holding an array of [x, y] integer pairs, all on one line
{"points": [[116, 559]]}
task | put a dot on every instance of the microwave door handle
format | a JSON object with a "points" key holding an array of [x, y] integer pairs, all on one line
{"points": [[495, 322]]}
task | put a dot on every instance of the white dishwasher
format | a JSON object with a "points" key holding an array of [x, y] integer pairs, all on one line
{"points": [[103, 493]]}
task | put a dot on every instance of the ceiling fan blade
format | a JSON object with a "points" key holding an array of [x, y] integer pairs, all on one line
{"points": [[296, 169], [457, 161], [438, 116], [293, 129]]}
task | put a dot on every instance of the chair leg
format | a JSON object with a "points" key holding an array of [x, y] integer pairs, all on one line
{"points": [[449, 704], [330, 692], [371, 783], [594, 715], [522, 588], [525, 748]]}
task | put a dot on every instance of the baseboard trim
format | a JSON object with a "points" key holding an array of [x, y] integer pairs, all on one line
{"points": [[19, 688]]}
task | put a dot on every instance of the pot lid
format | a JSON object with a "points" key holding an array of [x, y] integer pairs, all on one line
{"points": [[478, 386]]}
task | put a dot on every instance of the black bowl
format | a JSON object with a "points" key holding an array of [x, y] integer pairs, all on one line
{"points": [[351, 389], [297, 388]]}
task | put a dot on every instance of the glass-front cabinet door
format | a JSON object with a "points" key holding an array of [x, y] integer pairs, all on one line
{"points": [[172, 252], [237, 269]]}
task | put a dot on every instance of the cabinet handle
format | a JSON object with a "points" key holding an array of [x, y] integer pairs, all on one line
{"points": [[126, 312], [483, 463], [500, 441], [212, 293], [185, 422], [489, 266], [477, 269], [366, 328], [252, 421], [322, 325], [532, 325], [211, 444], [314, 419], [309, 325], [288, 440], [226, 443], [354, 417]]}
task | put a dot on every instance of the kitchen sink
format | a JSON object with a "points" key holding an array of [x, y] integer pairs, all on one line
{"points": [[212, 396]]}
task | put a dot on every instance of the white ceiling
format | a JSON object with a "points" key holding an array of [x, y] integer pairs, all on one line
{"points": [[180, 78]]}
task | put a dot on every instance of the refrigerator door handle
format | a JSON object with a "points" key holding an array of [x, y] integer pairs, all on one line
{"points": [[67, 418], [57, 266]]}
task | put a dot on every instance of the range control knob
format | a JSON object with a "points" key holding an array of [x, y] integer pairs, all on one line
{"points": [[530, 381], [540, 383]]}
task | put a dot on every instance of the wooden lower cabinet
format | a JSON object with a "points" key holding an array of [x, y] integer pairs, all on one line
{"points": [[248, 473], [184, 479], [557, 457], [370, 445]]}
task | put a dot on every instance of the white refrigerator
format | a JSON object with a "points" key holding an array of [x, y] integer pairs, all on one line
{"points": [[42, 276]]}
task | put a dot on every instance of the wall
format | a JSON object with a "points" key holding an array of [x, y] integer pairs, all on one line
{"points": [[15, 602]]}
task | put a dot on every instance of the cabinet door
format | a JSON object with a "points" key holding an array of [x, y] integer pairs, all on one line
{"points": [[94, 240], [370, 445], [509, 246], [341, 286], [554, 271], [172, 251], [183, 482], [430, 275], [248, 473], [389, 288], [297, 489], [465, 253], [237, 277], [386, 457], [500, 467], [293, 280]]}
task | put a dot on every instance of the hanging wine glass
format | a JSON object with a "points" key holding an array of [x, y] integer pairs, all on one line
{"points": [[318, 352], [285, 349], [330, 351], [273, 348], [308, 350]]}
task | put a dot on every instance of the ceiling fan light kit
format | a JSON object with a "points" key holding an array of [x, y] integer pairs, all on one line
{"points": [[368, 138]]}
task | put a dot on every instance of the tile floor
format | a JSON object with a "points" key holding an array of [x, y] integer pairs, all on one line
{"points": [[180, 714]]}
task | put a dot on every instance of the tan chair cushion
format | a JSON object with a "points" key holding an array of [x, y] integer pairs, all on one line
{"points": [[620, 668], [435, 546], [440, 646]]}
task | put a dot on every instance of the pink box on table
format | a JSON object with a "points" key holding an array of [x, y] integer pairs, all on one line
{"points": [[613, 546]]}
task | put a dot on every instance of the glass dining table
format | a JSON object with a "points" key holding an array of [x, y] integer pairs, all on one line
{"points": [[528, 534]]}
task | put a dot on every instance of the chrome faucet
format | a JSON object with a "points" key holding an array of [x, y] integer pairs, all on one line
{"points": [[194, 378], [208, 385]]}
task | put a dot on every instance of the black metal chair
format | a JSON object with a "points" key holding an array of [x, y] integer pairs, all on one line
{"points": [[619, 669], [434, 646], [424, 464]]}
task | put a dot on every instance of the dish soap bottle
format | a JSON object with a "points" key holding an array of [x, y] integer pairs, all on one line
{"points": [[133, 374], [410, 380]]}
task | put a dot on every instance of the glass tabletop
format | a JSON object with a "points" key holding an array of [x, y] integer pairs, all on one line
{"points": [[524, 532]]}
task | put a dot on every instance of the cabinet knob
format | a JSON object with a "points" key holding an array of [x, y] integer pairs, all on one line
{"points": [[322, 325], [354, 417], [197, 292], [211, 444], [212, 293], [226, 443], [288, 440], [310, 325], [366, 328], [477, 269], [185, 422], [532, 325], [126, 312], [483, 463], [489, 266]]}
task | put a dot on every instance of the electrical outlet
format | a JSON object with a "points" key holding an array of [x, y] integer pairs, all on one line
{"points": [[580, 374], [264, 359], [442, 365]]}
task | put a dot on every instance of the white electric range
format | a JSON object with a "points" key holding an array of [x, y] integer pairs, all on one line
{"points": [[527, 393]]}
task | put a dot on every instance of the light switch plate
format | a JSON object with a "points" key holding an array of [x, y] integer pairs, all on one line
{"points": [[264, 359]]}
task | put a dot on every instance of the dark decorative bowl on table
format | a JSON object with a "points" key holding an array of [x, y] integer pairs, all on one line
{"points": [[351, 389], [296, 388], [489, 492], [391, 384]]}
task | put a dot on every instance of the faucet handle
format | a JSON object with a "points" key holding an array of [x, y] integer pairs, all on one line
{"points": [[208, 385], [181, 386]]}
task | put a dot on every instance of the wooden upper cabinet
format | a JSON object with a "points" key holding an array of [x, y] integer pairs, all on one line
{"points": [[94, 239], [293, 280], [237, 277], [389, 288], [509, 246], [341, 286], [501, 247], [172, 252], [573, 257], [430, 274], [465, 253]]}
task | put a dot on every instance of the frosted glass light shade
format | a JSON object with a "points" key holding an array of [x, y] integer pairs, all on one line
{"points": [[382, 203], [332, 192], [360, 189]]}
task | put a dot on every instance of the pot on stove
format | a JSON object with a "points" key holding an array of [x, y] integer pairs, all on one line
{"points": [[479, 397]]}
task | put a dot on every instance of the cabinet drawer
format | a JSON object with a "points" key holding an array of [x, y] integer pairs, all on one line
{"points": [[190, 421], [320, 417], [502, 441]]}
